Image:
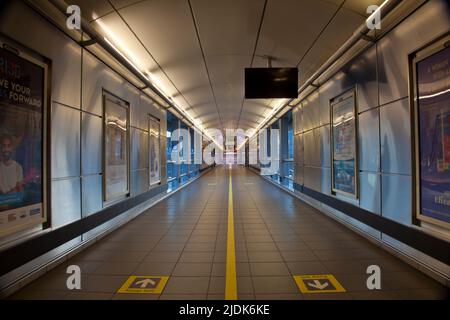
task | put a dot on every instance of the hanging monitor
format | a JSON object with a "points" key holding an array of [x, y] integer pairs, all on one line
{"points": [[271, 83]]}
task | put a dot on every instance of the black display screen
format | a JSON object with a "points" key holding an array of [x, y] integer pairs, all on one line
{"points": [[271, 83]]}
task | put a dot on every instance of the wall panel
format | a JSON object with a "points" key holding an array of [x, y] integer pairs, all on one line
{"points": [[91, 144], [396, 198], [369, 140], [395, 134], [65, 141], [66, 201]]}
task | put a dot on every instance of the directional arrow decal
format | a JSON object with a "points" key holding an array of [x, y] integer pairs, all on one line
{"points": [[144, 283], [318, 285]]}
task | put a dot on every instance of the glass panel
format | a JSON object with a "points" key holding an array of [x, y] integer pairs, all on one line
{"points": [[116, 149], [433, 110], [185, 152], [154, 150], [344, 144], [21, 143], [172, 125]]}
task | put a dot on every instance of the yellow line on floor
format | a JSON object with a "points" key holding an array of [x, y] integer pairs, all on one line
{"points": [[231, 284]]}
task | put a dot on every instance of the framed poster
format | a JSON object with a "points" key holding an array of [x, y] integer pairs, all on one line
{"points": [[23, 104], [432, 115], [154, 151], [116, 140], [344, 166]]}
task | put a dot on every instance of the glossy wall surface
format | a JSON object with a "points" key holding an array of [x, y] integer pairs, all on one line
{"points": [[78, 79], [384, 133]]}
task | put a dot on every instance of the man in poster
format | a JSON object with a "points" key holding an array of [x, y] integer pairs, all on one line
{"points": [[11, 172], [21, 142]]}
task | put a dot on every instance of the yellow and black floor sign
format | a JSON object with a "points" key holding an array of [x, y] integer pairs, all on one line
{"points": [[321, 283], [144, 284]]}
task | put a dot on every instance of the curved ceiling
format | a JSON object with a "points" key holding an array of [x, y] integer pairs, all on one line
{"points": [[196, 50]]}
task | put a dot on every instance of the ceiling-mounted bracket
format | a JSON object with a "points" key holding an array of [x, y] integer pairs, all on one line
{"points": [[369, 38], [87, 43]]}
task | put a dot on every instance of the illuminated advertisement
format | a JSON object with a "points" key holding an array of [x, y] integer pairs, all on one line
{"points": [[21, 143], [433, 110], [344, 144]]}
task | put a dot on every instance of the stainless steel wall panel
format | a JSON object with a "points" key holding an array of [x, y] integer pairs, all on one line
{"points": [[298, 149], [37, 34], [363, 73], [65, 138], [91, 194], [395, 133], [312, 148], [96, 77], [325, 157], [139, 149], [139, 182], [327, 91], [298, 172], [369, 140], [91, 144], [370, 191], [297, 119], [396, 198], [325, 181], [139, 114], [312, 178], [311, 112], [66, 202], [418, 29]]}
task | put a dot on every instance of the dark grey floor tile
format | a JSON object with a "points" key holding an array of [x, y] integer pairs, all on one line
{"points": [[200, 246], [216, 285], [28, 294], [187, 285], [307, 268], [77, 295], [201, 256], [261, 246], [163, 256], [424, 294], [244, 285], [264, 256], [301, 255], [274, 285], [132, 296], [328, 296], [154, 269], [101, 283], [408, 280], [169, 247], [218, 270], [269, 269], [116, 268], [374, 295], [192, 269]]}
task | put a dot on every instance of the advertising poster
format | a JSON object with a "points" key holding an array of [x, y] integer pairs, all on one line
{"points": [[116, 149], [344, 146], [21, 143], [154, 152], [433, 84]]}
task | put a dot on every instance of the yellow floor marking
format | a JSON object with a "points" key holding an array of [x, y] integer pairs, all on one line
{"points": [[319, 283], [144, 284], [231, 284]]}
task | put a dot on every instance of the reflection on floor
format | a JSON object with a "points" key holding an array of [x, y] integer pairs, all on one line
{"points": [[277, 237]]}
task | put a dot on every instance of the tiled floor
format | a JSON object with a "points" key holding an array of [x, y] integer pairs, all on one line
{"points": [[276, 237]]}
